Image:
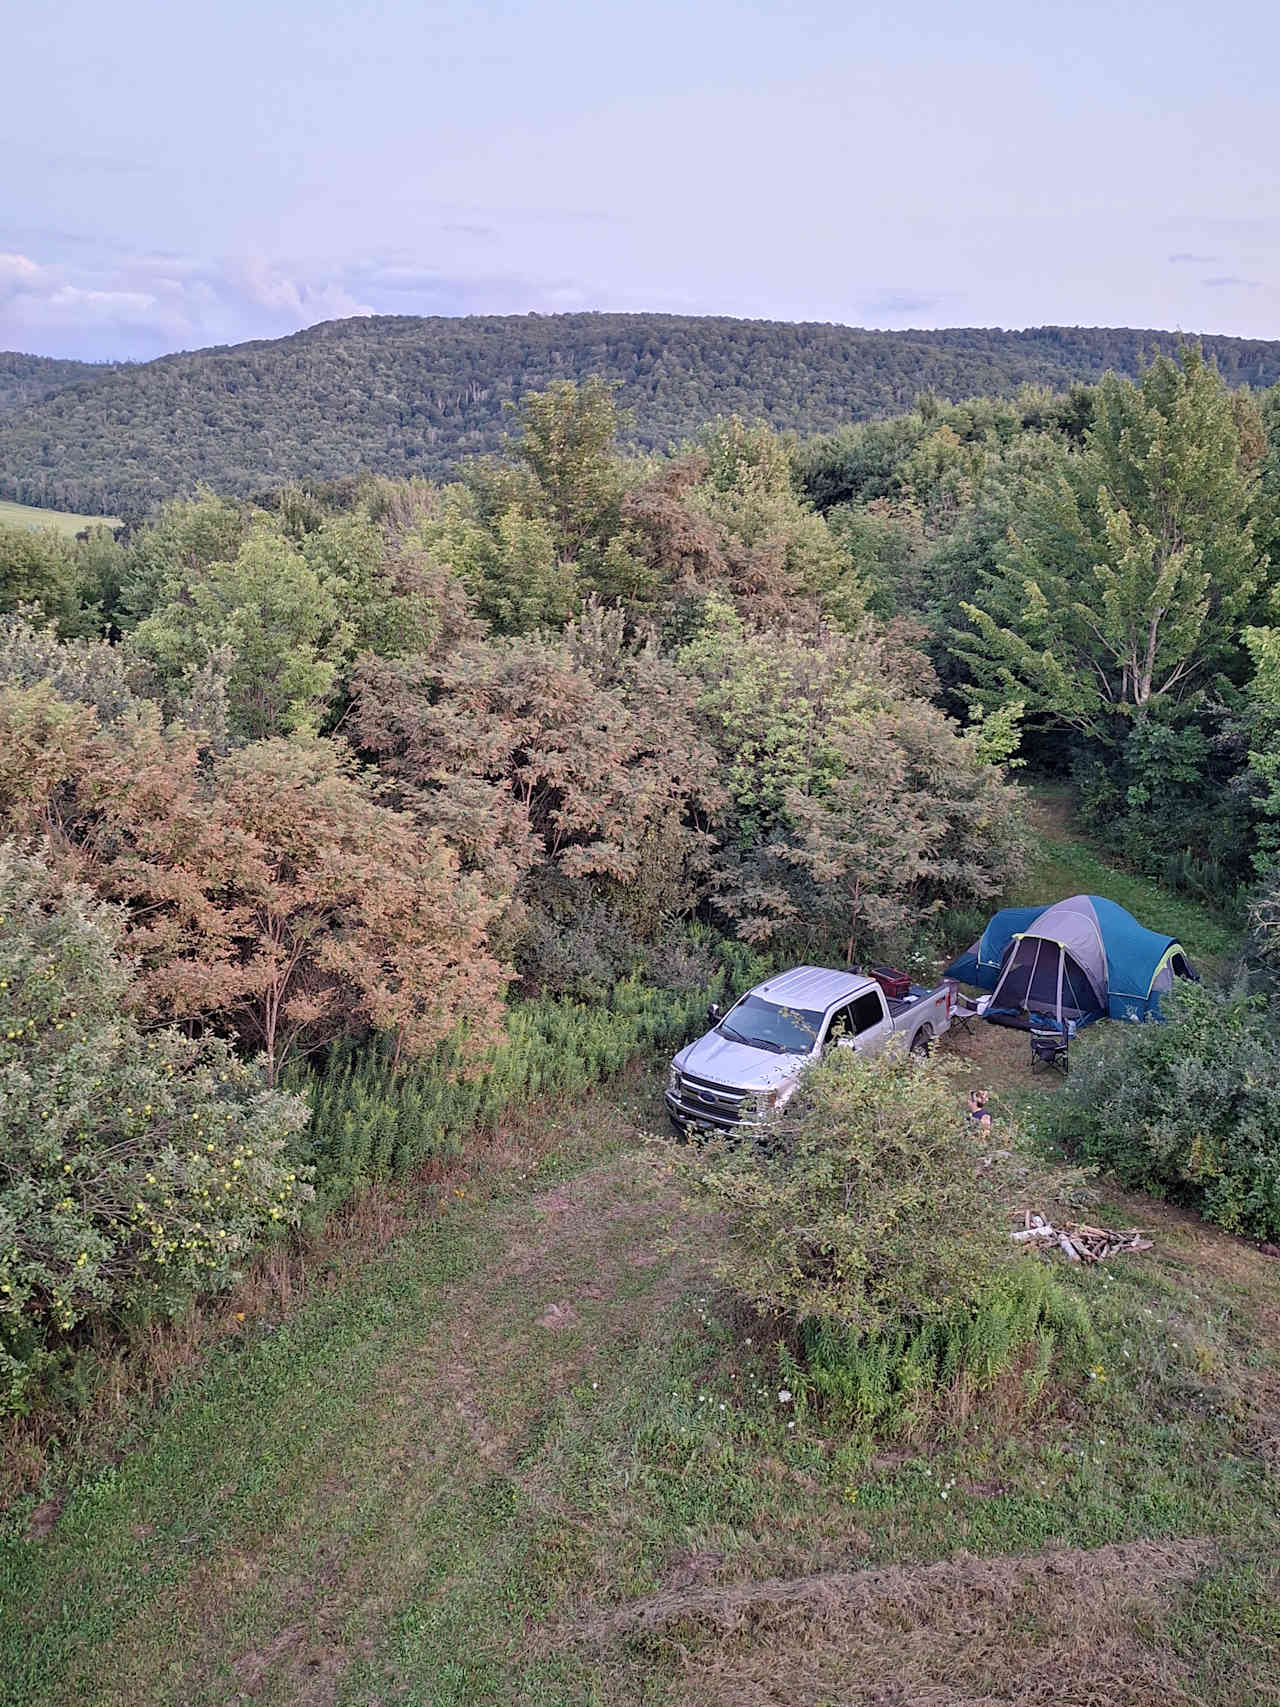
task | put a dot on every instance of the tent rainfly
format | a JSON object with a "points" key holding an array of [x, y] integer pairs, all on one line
{"points": [[1081, 959]]}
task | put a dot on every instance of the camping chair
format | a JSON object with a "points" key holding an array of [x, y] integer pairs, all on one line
{"points": [[963, 1014], [1050, 1041]]}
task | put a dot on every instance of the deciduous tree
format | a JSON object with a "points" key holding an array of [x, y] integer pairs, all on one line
{"points": [[1125, 583]]}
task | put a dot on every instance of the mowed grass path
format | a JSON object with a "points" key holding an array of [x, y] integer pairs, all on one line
{"points": [[518, 1456], [1063, 863]]}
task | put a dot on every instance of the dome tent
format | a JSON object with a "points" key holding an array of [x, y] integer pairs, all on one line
{"points": [[1080, 959]]}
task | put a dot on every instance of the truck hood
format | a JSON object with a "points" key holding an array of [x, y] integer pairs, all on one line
{"points": [[737, 1065]]}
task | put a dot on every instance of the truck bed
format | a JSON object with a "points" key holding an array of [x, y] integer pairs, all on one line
{"points": [[904, 1004]]}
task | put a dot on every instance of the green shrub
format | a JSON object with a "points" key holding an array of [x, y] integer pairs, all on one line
{"points": [[1188, 1109], [137, 1169], [869, 1210], [585, 953], [868, 1238]]}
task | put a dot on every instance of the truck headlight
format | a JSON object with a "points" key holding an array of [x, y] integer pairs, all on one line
{"points": [[761, 1103], [673, 1080]]}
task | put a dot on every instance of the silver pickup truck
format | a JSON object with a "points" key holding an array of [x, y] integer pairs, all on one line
{"points": [[753, 1058]]}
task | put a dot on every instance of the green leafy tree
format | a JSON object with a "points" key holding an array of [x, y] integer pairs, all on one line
{"points": [[277, 622], [394, 596], [1126, 581], [138, 1168], [509, 561], [568, 439], [918, 818], [854, 810], [182, 539], [778, 552], [39, 572]]}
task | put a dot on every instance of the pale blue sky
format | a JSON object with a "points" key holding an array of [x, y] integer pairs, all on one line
{"points": [[173, 176]]}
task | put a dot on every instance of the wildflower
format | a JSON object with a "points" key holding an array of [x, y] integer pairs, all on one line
{"points": [[784, 1395], [791, 1424], [239, 1315]]}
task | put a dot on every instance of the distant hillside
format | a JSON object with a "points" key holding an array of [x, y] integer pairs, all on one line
{"points": [[404, 395], [30, 379]]}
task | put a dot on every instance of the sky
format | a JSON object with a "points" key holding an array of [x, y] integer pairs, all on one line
{"points": [[173, 177]]}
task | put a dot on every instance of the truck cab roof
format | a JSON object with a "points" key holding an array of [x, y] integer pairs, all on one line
{"points": [[814, 987]]}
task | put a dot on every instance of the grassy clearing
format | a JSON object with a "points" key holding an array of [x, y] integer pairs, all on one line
{"points": [[516, 1455], [26, 515], [469, 1472]]}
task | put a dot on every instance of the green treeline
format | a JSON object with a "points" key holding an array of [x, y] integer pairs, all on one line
{"points": [[330, 784], [407, 396]]}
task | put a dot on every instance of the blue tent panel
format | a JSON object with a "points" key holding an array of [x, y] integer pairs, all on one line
{"points": [[981, 964], [1134, 955]]}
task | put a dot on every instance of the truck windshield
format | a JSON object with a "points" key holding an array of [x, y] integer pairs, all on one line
{"points": [[764, 1025]]}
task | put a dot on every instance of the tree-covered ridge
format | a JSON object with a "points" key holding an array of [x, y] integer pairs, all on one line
{"points": [[403, 395], [30, 379]]}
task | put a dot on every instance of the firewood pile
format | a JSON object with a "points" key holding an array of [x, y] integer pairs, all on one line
{"points": [[1077, 1241]]}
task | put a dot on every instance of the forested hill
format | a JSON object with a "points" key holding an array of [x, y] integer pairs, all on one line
{"points": [[405, 395], [30, 379]]}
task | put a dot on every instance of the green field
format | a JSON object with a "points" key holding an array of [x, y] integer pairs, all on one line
{"points": [[25, 515], [501, 1446]]}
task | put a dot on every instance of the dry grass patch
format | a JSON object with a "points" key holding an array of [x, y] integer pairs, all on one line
{"points": [[1065, 1626]]}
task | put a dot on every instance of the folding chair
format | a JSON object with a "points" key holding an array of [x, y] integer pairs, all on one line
{"points": [[1050, 1042]]}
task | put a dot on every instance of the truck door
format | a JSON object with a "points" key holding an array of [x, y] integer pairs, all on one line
{"points": [[872, 1025]]}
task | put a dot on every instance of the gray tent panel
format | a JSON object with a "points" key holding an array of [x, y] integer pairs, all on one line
{"points": [[1074, 925], [1044, 973]]}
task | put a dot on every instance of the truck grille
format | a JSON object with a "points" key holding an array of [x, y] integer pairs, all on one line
{"points": [[721, 1103]]}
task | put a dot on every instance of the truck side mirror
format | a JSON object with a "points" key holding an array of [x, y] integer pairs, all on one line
{"points": [[713, 1013]]}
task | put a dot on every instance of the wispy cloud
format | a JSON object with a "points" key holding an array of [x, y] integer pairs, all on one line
{"points": [[1229, 281], [1184, 255], [141, 305], [136, 306]]}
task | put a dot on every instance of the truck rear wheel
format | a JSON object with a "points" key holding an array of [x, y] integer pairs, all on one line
{"points": [[922, 1042]]}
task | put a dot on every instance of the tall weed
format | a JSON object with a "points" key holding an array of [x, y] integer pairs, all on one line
{"points": [[904, 1382], [370, 1122]]}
